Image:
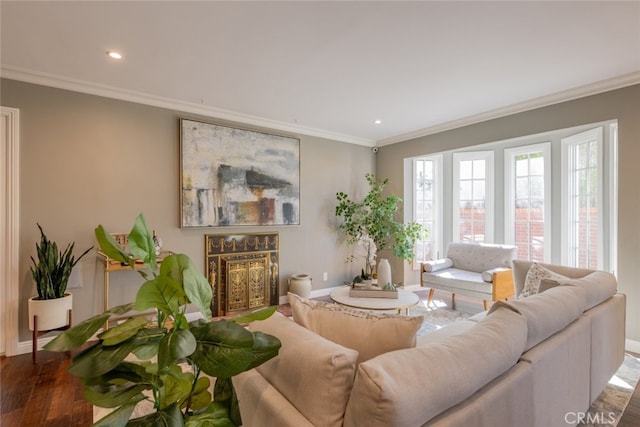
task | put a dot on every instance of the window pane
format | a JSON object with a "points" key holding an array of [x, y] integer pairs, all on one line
{"points": [[466, 169], [478, 190], [466, 190], [479, 169], [522, 188], [537, 164], [537, 187], [522, 166]]}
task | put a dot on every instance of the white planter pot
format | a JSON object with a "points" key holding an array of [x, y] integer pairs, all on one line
{"points": [[300, 284], [52, 313]]}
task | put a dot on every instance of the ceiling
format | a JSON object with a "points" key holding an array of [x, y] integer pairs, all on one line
{"points": [[332, 68]]}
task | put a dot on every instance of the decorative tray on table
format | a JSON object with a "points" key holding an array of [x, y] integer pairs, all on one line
{"points": [[373, 292]]}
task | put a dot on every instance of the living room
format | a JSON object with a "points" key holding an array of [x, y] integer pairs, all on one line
{"points": [[95, 158]]}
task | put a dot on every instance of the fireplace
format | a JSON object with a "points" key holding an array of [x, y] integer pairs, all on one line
{"points": [[242, 270]]}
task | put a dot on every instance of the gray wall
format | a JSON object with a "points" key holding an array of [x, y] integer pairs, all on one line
{"points": [[88, 160], [622, 104]]}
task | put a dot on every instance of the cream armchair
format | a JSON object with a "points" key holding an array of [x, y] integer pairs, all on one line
{"points": [[477, 270]]}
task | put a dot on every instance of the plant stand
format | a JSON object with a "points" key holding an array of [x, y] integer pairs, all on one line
{"points": [[37, 333]]}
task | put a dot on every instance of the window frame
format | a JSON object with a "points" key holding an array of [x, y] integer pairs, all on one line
{"points": [[509, 192], [489, 199], [568, 231], [436, 234]]}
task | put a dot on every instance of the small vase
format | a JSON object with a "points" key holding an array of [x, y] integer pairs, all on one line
{"points": [[384, 273], [300, 284]]}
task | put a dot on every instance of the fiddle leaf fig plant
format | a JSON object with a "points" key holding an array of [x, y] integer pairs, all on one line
{"points": [[165, 361], [375, 218]]}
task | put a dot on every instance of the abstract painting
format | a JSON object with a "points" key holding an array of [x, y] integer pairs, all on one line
{"points": [[237, 177]]}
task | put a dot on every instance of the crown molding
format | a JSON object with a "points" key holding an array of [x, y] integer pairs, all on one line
{"points": [[59, 82], [543, 101]]}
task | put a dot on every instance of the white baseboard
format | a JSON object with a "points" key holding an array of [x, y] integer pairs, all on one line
{"points": [[633, 346]]}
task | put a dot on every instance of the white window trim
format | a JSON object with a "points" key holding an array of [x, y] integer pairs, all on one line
{"points": [[436, 234], [488, 157], [567, 255], [509, 192]]}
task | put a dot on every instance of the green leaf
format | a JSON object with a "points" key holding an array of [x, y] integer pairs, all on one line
{"points": [[99, 359], [182, 270], [178, 344], [262, 314], [162, 292], [123, 331], [200, 396], [265, 347], [141, 243], [216, 415], [110, 247], [119, 417], [224, 348], [73, 338], [168, 417], [115, 395], [176, 387], [124, 372]]}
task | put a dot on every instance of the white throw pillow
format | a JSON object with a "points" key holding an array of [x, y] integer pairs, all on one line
{"points": [[369, 333], [535, 275]]}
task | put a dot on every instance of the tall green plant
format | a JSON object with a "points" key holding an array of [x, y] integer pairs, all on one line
{"points": [[375, 216], [220, 348], [52, 270]]}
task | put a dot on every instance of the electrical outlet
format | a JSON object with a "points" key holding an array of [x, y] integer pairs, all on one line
{"points": [[325, 276]]}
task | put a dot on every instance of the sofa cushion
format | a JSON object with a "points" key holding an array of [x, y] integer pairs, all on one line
{"points": [[534, 276], [368, 333], [599, 286], [521, 267], [309, 365], [547, 313], [388, 391], [480, 257]]}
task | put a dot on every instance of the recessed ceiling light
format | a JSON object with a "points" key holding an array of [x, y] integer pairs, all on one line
{"points": [[113, 54], [377, 122]]}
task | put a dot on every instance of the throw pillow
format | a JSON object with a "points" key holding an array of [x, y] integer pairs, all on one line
{"points": [[368, 333], [535, 276]]}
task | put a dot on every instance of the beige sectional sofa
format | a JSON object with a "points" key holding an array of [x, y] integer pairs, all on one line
{"points": [[525, 362]]}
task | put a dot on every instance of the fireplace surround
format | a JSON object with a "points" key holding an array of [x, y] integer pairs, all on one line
{"points": [[242, 270]]}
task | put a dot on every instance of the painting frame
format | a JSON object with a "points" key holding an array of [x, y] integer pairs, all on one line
{"points": [[231, 177]]}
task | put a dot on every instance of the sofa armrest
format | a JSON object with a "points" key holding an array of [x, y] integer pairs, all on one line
{"points": [[436, 265], [502, 285]]}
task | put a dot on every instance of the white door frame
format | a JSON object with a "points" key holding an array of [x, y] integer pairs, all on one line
{"points": [[9, 229]]}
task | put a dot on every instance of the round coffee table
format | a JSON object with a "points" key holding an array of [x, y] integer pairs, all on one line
{"points": [[405, 300]]}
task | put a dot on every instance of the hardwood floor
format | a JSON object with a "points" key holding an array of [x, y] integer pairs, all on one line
{"points": [[43, 394], [46, 395]]}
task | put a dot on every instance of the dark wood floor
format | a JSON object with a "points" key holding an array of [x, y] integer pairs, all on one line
{"points": [[46, 395], [43, 394]]}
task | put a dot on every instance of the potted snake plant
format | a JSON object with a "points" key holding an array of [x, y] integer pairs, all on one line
{"points": [[51, 273]]}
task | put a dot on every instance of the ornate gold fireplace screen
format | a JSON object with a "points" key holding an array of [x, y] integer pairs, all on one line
{"points": [[242, 270]]}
